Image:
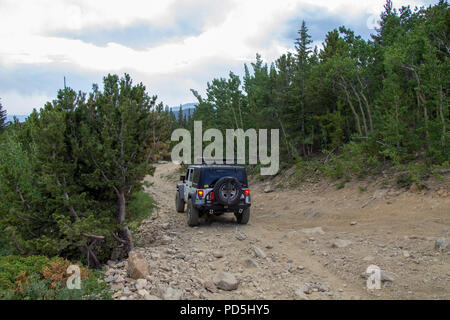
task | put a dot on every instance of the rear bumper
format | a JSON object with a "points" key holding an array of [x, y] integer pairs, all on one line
{"points": [[218, 208]]}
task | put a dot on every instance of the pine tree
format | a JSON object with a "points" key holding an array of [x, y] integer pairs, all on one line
{"points": [[117, 140], [302, 45], [2, 118]]}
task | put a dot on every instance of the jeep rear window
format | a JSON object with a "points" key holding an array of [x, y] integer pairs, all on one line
{"points": [[211, 175]]}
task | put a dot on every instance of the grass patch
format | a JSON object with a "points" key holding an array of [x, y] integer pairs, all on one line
{"points": [[140, 207]]}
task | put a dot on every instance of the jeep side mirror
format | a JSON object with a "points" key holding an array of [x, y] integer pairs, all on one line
{"points": [[182, 178]]}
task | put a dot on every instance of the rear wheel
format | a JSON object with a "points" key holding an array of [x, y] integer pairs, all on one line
{"points": [[244, 217], [192, 214], [179, 203]]}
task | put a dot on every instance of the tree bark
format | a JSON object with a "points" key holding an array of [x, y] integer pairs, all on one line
{"points": [[349, 100], [122, 215], [361, 108]]}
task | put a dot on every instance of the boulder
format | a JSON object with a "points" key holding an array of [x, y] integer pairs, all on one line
{"points": [[250, 263], [137, 266]]}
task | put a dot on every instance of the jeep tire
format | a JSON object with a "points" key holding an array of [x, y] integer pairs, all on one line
{"points": [[221, 195], [191, 214], [179, 203], [242, 218]]}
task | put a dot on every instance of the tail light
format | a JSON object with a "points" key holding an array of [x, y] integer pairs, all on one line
{"points": [[200, 193], [212, 195], [246, 192]]}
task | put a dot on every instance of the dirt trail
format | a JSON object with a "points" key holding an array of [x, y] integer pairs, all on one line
{"points": [[393, 229]]}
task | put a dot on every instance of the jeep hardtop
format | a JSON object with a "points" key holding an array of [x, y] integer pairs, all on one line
{"points": [[209, 189]]}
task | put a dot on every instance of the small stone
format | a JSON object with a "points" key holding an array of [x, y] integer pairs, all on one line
{"points": [[165, 226], [268, 189], [442, 244], [340, 243], [250, 263], [259, 253], [313, 230], [151, 297], [180, 256], [406, 254], [137, 266], [226, 281], [140, 284], [142, 292], [307, 288], [170, 293], [353, 223], [239, 235], [217, 254], [300, 295], [379, 194], [386, 276], [109, 279], [209, 285]]}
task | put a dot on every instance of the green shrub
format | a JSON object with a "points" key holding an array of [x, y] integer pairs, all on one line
{"points": [[38, 277], [140, 207], [340, 184]]}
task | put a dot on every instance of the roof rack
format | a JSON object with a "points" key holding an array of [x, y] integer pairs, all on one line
{"points": [[223, 160]]}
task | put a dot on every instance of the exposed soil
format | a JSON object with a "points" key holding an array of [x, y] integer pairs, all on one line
{"points": [[395, 229]]}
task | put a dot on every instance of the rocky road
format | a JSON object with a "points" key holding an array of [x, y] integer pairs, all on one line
{"points": [[310, 243]]}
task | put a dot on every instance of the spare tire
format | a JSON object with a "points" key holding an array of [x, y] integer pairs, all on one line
{"points": [[227, 191]]}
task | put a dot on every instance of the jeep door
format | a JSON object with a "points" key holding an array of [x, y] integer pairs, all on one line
{"points": [[188, 187]]}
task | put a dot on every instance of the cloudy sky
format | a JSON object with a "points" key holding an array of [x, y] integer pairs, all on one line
{"points": [[171, 46]]}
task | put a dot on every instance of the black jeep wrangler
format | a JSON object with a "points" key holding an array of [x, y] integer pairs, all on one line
{"points": [[214, 190]]}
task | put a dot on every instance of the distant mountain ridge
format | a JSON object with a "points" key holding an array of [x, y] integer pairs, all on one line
{"points": [[187, 109]]}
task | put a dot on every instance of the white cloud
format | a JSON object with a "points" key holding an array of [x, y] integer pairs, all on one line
{"points": [[20, 104]]}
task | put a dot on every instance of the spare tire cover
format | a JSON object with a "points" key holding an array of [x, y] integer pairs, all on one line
{"points": [[228, 191]]}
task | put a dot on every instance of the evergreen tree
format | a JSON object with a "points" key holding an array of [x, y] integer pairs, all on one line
{"points": [[2, 118]]}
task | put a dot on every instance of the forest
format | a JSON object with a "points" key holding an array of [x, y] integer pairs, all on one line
{"points": [[71, 175]]}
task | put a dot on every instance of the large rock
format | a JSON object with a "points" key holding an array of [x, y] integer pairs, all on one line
{"points": [[226, 281], [137, 266], [442, 244]]}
